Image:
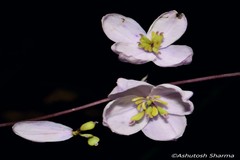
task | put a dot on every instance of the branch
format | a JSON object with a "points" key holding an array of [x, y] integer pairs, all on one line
{"points": [[107, 99], [60, 113], [206, 78]]}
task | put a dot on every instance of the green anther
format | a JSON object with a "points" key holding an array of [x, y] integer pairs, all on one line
{"points": [[156, 97], [162, 111], [93, 141], [144, 106], [137, 98], [86, 135], [154, 111], [149, 102], [149, 112], [139, 107], [152, 45], [138, 116], [87, 126], [138, 102], [161, 101]]}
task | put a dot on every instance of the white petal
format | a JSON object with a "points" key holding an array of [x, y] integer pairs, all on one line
{"points": [[119, 28], [117, 116], [162, 129], [177, 99], [129, 52], [174, 55], [42, 131], [172, 24], [187, 94], [130, 87]]}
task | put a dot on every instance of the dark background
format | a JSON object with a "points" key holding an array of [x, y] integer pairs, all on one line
{"points": [[55, 56]]}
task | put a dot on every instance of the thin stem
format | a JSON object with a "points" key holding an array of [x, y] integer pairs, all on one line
{"points": [[107, 99], [61, 112], [206, 78]]}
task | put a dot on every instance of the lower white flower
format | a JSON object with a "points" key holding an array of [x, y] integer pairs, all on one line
{"points": [[158, 111]]}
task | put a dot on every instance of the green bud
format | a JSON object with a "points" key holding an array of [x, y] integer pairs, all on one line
{"points": [[88, 126], [93, 141]]}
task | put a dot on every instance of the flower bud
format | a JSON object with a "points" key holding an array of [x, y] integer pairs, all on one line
{"points": [[93, 141], [88, 126]]}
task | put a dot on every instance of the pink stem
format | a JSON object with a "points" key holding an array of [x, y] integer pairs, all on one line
{"points": [[107, 99]]}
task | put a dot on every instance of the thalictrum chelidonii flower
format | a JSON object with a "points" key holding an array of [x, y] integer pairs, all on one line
{"points": [[159, 111], [134, 45]]}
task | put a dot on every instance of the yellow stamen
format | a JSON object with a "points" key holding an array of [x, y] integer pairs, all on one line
{"points": [[161, 101], [149, 102], [138, 102], [144, 106], [149, 107], [139, 107], [138, 116], [156, 97], [137, 98], [154, 111], [152, 45], [162, 111], [149, 112]]}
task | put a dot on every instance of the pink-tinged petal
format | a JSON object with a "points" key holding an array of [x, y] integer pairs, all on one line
{"points": [[42, 131], [119, 28], [174, 55], [177, 100], [187, 94], [130, 87], [166, 129], [129, 52], [171, 24], [117, 116]]}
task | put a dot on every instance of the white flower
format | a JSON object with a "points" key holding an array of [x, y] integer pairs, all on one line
{"points": [[158, 111], [134, 45]]}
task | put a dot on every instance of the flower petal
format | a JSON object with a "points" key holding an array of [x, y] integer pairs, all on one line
{"points": [[162, 129], [174, 55], [129, 52], [130, 87], [119, 28], [42, 131], [171, 24], [177, 99], [117, 116]]}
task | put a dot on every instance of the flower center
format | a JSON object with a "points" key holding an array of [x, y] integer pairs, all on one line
{"points": [[149, 106], [152, 45]]}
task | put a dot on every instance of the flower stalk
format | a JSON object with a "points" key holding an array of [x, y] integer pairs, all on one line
{"points": [[68, 111]]}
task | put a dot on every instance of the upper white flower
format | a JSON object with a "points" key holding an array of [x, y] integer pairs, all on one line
{"points": [[135, 46]]}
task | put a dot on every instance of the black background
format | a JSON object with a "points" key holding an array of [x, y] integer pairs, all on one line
{"points": [[61, 46]]}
